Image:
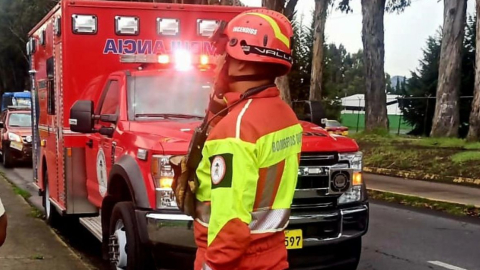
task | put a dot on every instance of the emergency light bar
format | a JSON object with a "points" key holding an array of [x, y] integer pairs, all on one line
{"points": [[182, 60]]}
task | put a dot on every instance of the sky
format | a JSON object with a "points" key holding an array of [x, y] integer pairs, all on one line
{"points": [[405, 33]]}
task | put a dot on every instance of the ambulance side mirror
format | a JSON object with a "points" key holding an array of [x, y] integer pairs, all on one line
{"points": [[82, 117]]}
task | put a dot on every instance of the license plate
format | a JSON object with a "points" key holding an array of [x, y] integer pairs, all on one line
{"points": [[294, 239], [16, 145]]}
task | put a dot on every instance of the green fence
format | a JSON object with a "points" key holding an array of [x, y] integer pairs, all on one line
{"points": [[357, 122]]}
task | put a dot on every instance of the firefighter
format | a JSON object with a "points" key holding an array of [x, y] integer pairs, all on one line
{"points": [[249, 166]]}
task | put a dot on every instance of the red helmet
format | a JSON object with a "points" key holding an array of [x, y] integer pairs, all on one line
{"points": [[259, 35]]}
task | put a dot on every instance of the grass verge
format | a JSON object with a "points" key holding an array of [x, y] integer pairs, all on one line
{"points": [[450, 208], [445, 157], [25, 194]]}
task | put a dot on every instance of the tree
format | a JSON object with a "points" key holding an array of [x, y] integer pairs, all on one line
{"points": [[446, 120], [419, 112], [288, 10], [374, 56], [388, 80], [320, 19], [299, 76], [16, 19], [342, 71], [474, 129]]}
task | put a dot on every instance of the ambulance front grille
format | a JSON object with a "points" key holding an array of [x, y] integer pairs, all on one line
{"points": [[312, 184]]}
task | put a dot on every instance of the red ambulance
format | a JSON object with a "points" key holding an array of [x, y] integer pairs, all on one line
{"points": [[118, 87]]}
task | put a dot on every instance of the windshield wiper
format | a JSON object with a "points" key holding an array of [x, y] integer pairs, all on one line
{"points": [[168, 115]]}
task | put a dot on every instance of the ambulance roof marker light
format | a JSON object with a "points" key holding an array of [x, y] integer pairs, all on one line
{"points": [[84, 24], [168, 27], [206, 28], [126, 25]]}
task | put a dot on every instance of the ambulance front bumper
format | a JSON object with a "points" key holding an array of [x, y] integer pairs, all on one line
{"points": [[322, 228], [170, 230]]}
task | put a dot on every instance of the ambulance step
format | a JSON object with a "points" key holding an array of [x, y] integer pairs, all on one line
{"points": [[94, 225]]}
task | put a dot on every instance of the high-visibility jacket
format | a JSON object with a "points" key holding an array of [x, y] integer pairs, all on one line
{"points": [[247, 177]]}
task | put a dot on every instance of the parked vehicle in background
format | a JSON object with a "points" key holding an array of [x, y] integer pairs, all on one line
{"points": [[335, 127], [23, 99], [16, 135]]}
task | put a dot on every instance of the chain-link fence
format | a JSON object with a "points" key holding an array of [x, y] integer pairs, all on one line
{"points": [[405, 114]]}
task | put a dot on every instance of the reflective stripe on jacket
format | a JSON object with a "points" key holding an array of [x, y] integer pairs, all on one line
{"points": [[247, 176]]}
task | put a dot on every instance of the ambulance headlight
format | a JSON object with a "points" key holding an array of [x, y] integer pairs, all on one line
{"points": [[162, 174], [84, 24], [206, 28], [168, 27], [126, 25], [354, 194], [355, 159]]}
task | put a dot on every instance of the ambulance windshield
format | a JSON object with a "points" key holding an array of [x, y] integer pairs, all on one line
{"points": [[177, 95]]}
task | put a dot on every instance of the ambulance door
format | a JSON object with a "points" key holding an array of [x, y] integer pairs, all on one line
{"points": [[99, 147]]}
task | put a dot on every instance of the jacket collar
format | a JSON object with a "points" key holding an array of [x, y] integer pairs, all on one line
{"points": [[232, 97]]}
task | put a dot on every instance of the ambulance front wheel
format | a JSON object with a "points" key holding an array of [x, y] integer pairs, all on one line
{"points": [[51, 214], [124, 246]]}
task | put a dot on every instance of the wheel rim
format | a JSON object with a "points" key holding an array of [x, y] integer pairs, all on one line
{"points": [[118, 246], [47, 202]]}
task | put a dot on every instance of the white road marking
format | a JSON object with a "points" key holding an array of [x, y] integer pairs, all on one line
{"points": [[446, 265]]}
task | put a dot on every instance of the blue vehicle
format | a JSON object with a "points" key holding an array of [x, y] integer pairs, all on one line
{"points": [[23, 99]]}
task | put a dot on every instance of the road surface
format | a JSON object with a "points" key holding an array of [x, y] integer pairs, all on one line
{"points": [[399, 238]]}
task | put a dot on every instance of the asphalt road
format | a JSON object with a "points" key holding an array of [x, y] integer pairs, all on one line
{"points": [[399, 238]]}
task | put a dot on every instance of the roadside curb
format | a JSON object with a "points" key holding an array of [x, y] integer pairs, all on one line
{"points": [[415, 175], [449, 207], [420, 197]]}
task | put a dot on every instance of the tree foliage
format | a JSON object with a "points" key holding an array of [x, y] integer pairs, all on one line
{"points": [[16, 19], [342, 73], [423, 83]]}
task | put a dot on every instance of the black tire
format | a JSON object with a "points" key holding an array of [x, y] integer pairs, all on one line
{"points": [[52, 217], [354, 250], [7, 159], [123, 220]]}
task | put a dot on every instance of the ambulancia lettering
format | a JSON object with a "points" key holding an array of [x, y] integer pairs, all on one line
{"points": [[131, 46]]}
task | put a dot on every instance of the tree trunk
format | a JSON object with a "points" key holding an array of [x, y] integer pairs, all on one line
{"points": [[279, 6], [320, 17], [447, 116], [474, 128], [282, 84], [374, 57]]}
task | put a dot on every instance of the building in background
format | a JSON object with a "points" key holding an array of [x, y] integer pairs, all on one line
{"points": [[353, 113]]}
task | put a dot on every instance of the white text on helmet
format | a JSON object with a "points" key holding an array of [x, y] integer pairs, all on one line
{"points": [[247, 30], [274, 53]]}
